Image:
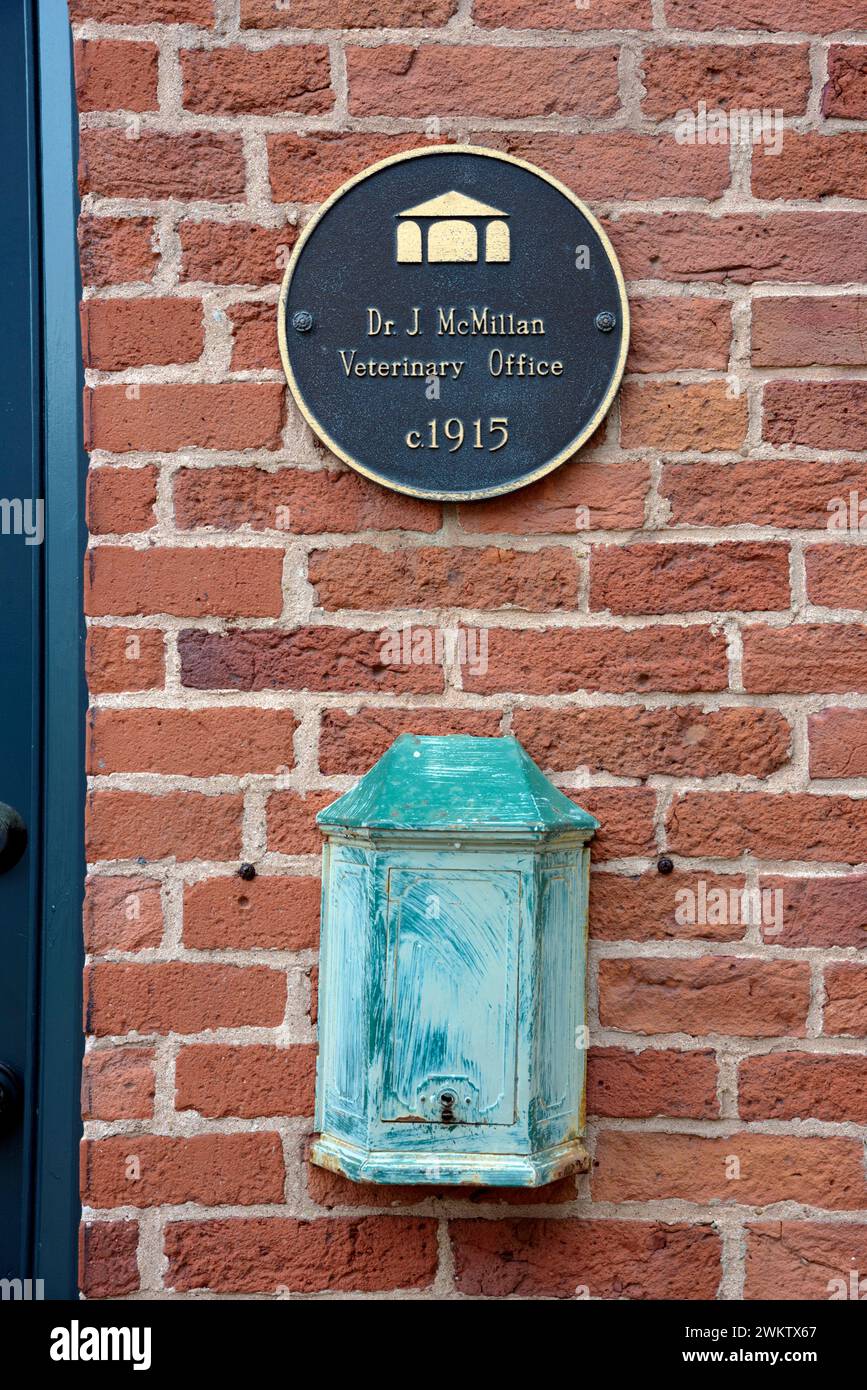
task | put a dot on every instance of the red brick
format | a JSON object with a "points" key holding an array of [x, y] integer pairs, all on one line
{"points": [[805, 658], [667, 334], [754, 492], [124, 658], [623, 164], [563, 14], [631, 741], [743, 248], [815, 413], [308, 168], [846, 1000], [268, 913], [113, 74], [763, 75], [798, 16], [311, 503], [364, 577], [444, 79], [646, 1166], [640, 1085], [118, 1084], [625, 816], [233, 415], [154, 164], [684, 578], [121, 500], [533, 1258], [254, 338], [555, 660], [121, 333], [363, 1254], [814, 166], [574, 498], [798, 1086], [838, 743], [673, 415], [116, 249], [213, 1169], [247, 1082], [646, 906], [788, 825], [845, 94], [805, 1260], [191, 742], [716, 994], [157, 12], [177, 997], [347, 14], [351, 743], [186, 581], [627, 1259], [619, 164], [236, 253], [122, 914], [837, 576], [107, 1263], [807, 331], [311, 658], [292, 78], [292, 825], [820, 911], [179, 825]]}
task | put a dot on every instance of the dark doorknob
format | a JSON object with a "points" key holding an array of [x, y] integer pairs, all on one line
{"points": [[11, 1097], [13, 837]]}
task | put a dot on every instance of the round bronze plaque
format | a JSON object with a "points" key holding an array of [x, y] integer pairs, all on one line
{"points": [[453, 323]]}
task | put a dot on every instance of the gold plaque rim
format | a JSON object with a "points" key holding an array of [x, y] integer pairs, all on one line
{"points": [[574, 444]]}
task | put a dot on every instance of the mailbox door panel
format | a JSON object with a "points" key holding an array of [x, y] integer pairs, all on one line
{"points": [[558, 1044], [344, 1041], [451, 996]]}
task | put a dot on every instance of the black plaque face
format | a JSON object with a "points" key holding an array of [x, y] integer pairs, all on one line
{"points": [[453, 323]]}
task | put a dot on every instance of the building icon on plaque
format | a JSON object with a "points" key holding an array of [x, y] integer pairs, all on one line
{"points": [[470, 340], [452, 228]]}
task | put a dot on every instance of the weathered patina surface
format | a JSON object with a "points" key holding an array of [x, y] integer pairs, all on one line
{"points": [[452, 972]]}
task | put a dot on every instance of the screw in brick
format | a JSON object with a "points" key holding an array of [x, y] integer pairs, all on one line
{"points": [[246, 872], [664, 865]]}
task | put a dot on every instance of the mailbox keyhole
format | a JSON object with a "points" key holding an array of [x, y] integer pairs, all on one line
{"points": [[447, 1114]]}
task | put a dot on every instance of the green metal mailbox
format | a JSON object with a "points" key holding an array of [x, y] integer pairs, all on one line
{"points": [[452, 976]]}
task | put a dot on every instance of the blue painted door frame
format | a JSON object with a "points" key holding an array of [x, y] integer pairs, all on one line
{"points": [[41, 642]]}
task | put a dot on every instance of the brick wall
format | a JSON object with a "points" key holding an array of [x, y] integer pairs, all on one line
{"points": [[692, 667]]}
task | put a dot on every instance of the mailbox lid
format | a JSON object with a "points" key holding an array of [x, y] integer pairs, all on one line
{"points": [[456, 783]]}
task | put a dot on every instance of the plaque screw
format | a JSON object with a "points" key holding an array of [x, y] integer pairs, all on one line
{"points": [[246, 872], [606, 322], [302, 321], [664, 865]]}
